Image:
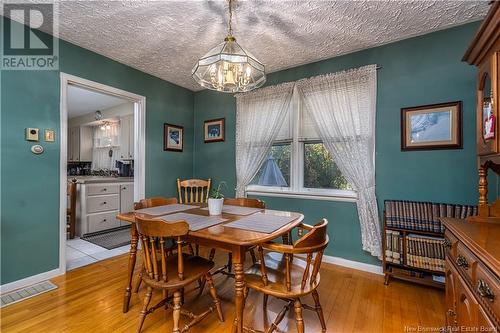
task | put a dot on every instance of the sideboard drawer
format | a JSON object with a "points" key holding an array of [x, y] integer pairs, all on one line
{"points": [[103, 221], [466, 262], [103, 203], [487, 287], [100, 189]]}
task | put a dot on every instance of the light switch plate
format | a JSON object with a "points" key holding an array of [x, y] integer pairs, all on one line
{"points": [[50, 135], [32, 134]]}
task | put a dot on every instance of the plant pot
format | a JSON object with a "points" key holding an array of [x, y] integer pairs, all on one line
{"points": [[215, 206]]}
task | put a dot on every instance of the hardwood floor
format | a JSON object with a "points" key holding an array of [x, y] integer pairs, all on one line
{"points": [[89, 299]]}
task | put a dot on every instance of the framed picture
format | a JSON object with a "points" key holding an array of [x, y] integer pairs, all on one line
{"points": [[429, 127], [214, 130], [173, 137]]}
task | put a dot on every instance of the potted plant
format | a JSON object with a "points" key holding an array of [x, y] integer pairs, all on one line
{"points": [[216, 200]]}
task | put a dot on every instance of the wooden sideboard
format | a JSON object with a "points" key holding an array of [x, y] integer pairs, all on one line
{"points": [[472, 275], [484, 53]]}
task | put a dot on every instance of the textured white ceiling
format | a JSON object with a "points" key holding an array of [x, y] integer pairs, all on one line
{"points": [[82, 101], [165, 38]]}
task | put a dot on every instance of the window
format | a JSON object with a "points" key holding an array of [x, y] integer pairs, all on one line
{"points": [[275, 171], [320, 170], [299, 165]]}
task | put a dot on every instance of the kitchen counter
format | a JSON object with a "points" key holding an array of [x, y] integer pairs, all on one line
{"points": [[100, 179]]}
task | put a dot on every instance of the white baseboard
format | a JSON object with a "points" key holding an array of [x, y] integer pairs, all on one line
{"points": [[360, 266], [30, 280]]}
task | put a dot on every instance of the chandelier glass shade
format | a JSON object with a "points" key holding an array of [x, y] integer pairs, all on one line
{"points": [[228, 67]]}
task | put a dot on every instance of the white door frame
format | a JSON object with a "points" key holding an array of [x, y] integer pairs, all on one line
{"points": [[139, 147]]}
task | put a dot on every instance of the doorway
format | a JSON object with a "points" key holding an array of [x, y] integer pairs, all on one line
{"points": [[101, 168]]}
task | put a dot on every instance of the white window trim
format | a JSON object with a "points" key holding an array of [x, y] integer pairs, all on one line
{"points": [[296, 188]]}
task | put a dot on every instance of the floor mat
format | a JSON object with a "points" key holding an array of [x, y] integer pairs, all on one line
{"points": [[110, 239]]}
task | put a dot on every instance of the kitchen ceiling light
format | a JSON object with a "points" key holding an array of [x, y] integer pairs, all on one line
{"points": [[228, 67]]}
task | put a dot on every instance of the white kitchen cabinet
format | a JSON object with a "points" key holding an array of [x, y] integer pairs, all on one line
{"points": [[99, 203], [80, 144], [126, 197], [127, 137]]}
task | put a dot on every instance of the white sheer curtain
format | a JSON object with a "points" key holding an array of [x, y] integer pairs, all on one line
{"points": [[259, 116], [105, 140], [342, 106]]}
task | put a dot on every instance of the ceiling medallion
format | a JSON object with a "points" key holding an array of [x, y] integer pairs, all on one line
{"points": [[228, 67]]}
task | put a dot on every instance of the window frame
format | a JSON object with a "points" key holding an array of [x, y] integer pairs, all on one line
{"points": [[296, 188]]}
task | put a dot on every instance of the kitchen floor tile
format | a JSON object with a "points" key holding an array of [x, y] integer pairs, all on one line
{"points": [[72, 253], [85, 247], [79, 262]]}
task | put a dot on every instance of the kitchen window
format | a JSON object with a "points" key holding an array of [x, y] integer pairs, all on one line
{"points": [[299, 165]]}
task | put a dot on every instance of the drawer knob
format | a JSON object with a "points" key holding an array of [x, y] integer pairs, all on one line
{"points": [[453, 314], [484, 290], [103, 220], [104, 202], [447, 243], [104, 189], [462, 262]]}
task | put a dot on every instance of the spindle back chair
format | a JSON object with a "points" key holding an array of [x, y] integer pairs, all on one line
{"points": [[283, 275], [193, 190], [149, 203], [171, 272]]}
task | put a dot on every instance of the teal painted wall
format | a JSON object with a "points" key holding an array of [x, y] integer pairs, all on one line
{"points": [[416, 71], [30, 183]]}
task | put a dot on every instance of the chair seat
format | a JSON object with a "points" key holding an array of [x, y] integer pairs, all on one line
{"points": [[195, 267], [276, 276]]}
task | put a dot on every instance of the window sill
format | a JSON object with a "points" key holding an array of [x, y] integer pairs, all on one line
{"points": [[339, 195]]}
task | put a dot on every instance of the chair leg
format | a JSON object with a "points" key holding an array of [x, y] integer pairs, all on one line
{"points": [[138, 283], [197, 250], [213, 293], [190, 249], [229, 262], [144, 310], [298, 316], [254, 258], [211, 255], [319, 310], [264, 303], [201, 286], [177, 311]]}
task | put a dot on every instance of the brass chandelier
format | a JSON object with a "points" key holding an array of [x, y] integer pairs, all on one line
{"points": [[228, 67]]}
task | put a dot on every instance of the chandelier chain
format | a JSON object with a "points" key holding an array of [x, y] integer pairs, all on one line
{"points": [[230, 32]]}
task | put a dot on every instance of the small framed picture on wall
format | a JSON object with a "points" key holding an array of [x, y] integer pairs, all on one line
{"points": [[173, 137], [214, 130], [429, 127]]}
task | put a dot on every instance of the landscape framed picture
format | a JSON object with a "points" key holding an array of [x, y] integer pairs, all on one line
{"points": [[173, 137], [214, 130], [429, 127]]}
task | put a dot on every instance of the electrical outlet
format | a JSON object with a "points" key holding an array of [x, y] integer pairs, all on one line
{"points": [[32, 134]]}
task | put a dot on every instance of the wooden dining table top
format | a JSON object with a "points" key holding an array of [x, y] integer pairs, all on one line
{"points": [[229, 235]]}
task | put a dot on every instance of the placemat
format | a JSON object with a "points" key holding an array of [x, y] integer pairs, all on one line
{"points": [[196, 222], [238, 210], [261, 222], [164, 210]]}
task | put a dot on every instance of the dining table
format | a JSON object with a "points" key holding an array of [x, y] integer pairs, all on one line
{"points": [[220, 236]]}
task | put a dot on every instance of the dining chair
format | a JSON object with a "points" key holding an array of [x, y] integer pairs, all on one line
{"points": [[282, 274], [193, 190], [71, 210], [172, 273], [149, 203]]}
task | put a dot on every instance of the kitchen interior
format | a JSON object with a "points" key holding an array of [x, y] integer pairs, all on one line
{"points": [[100, 173]]}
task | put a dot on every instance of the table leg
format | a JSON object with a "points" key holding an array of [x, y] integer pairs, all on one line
{"points": [[239, 287], [131, 265]]}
